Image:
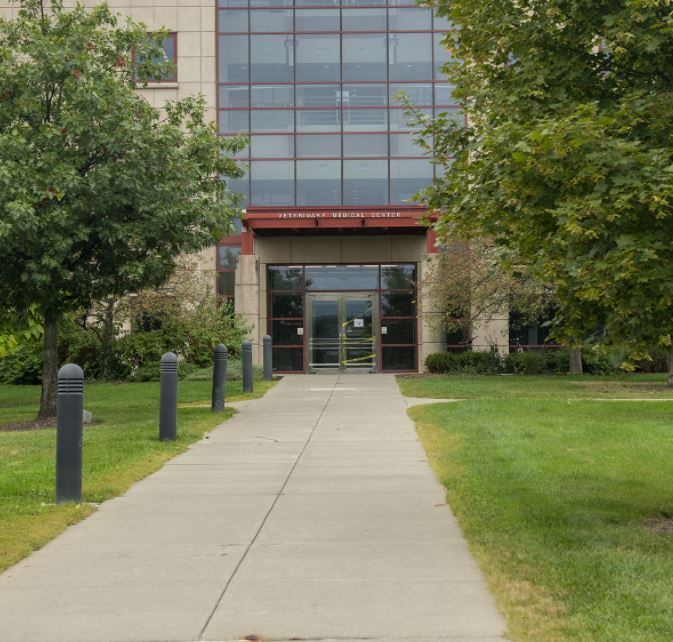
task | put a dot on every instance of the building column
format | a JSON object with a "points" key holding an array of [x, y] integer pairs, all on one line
{"points": [[432, 331], [246, 299], [492, 333]]}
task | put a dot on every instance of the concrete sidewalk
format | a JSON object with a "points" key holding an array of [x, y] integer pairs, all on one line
{"points": [[311, 515]]}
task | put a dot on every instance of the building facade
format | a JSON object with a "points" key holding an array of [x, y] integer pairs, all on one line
{"points": [[331, 254], [332, 250]]}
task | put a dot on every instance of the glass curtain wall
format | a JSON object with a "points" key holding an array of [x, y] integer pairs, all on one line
{"points": [[315, 85]]}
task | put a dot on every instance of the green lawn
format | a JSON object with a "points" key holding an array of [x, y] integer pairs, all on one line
{"points": [[553, 491], [120, 450]]}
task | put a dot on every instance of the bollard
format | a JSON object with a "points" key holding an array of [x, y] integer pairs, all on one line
{"points": [[70, 406], [246, 358], [268, 358], [168, 397], [220, 356]]}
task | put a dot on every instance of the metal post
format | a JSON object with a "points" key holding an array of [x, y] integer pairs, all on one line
{"points": [[246, 356], [268, 358], [168, 397], [70, 406], [220, 356]]}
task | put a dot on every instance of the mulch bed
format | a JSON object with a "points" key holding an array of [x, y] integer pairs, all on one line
{"points": [[35, 424], [661, 524]]}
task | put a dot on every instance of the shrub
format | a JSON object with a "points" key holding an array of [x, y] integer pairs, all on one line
{"points": [[537, 362], [467, 362], [23, 365]]}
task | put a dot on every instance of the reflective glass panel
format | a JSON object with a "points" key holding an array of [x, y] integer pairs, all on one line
{"points": [[270, 3], [364, 56], [272, 120], [233, 58], [419, 94], [316, 120], [285, 332], [318, 145], [272, 96], [410, 56], [234, 120], [272, 146], [279, 20], [455, 115], [365, 120], [365, 145], [319, 182], [408, 177], [442, 55], [398, 277], [232, 3], [272, 182], [317, 19], [288, 359], [364, 95], [232, 20], [318, 95], [227, 255], [439, 23], [398, 331], [400, 121], [226, 283], [365, 182], [366, 3], [318, 57], [241, 186], [399, 358], [409, 19], [342, 277], [404, 145], [272, 58], [287, 305], [398, 304], [283, 277], [237, 96], [364, 19], [444, 94]]}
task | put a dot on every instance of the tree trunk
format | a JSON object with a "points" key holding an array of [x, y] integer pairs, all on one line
{"points": [[670, 367], [107, 339], [575, 360], [50, 368]]}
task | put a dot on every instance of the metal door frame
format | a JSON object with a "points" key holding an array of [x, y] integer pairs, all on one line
{"points": [[340, 298]]}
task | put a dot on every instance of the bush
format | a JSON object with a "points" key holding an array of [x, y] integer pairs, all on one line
{"points": [[529, 362], [22, 366], [234, 372], [467, 362]]}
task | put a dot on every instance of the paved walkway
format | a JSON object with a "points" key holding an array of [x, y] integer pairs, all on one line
{"points": [[311, 515]]}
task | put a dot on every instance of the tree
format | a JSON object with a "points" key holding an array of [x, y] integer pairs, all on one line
{"points": [[99, 191], [567, 159], [470, 286]]}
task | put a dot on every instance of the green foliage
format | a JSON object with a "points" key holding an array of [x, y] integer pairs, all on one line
{"points": [[99, 190], [567, 160], [22, 365], [527, 362], [467, 362], [16, 328], [234, 372]]}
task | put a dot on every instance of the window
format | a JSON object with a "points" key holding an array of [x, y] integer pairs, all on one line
{"points": [[170, 46], [226, 270]]}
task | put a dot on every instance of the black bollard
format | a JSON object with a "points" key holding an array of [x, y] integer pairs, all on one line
{"points": [[246, 356], [268, 358], [168, 397], [220, 356], [69, 434]]}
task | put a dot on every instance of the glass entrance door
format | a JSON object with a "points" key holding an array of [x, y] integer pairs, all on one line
{"points": [[342, 332]]}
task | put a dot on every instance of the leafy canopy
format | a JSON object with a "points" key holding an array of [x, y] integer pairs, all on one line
{"points": [[567, 160], [99, 191]]}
